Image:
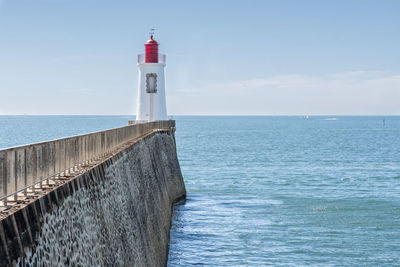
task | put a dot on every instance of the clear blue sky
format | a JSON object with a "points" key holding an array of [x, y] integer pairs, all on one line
{"points": [[223, 57]]}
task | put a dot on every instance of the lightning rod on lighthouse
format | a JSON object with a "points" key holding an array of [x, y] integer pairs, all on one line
{"points": [[151, 102]]}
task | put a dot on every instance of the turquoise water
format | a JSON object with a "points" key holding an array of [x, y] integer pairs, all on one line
{"points": [[286, 191], [280, 191]]}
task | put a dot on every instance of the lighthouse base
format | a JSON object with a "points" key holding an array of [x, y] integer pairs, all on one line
{"points": [[151, 105]]}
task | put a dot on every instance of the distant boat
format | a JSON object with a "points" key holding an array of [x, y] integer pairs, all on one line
{"points": [[331, 119]]}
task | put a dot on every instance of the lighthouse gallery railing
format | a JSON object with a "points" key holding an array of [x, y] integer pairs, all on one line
{"points": [[162, 58], [24, 166]]}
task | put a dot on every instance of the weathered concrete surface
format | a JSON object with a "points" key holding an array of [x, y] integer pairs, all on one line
{"points": [[116, 214], [24, 166]]}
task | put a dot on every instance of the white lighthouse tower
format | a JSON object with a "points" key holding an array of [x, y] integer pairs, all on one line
{"points": [[151, 103]]}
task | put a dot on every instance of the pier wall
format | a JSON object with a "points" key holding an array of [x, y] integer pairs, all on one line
{"points": [[117, 213], [24, 166]]}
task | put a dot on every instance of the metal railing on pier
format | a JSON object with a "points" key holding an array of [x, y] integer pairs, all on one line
{"points": [[24, 167]]}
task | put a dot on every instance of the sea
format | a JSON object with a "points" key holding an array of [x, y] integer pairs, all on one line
{"points": [[270, 190]]}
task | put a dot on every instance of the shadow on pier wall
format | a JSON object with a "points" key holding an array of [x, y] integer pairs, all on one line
{"points": [[116, 214]]}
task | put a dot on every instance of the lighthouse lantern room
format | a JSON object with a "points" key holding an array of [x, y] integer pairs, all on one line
{"points": [[151, 102]]}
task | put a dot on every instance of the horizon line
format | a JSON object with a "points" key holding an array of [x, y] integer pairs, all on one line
{"points": [[211, 115]]}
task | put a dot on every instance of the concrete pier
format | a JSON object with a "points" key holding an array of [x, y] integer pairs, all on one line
{"points": [[21, 168], [133, 171]]}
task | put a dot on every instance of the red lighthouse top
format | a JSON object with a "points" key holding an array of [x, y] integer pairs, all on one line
{"points": [[151, 51]]}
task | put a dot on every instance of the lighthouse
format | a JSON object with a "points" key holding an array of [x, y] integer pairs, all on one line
{"points": [[151, 102]]}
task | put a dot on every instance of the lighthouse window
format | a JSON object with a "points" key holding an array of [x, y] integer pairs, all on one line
{"points": [[151, 83]]}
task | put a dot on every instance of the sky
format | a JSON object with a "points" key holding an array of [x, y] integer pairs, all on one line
{"points": [[223, 57]]}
